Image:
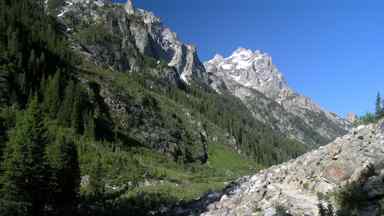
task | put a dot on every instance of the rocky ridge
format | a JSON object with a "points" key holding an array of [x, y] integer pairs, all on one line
{"points": [[251, 75], [294, 185], [132, 32]]}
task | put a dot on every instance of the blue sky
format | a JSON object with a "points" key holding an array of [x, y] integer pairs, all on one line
{"points": [[329, 50]]}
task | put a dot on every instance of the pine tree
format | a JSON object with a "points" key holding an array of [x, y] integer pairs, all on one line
{"points": [[379, 107], [96, 185], [66, 107], [12, 41], [32, 61], [24, 177], [52, 95], [89, 128], [76, 121], [65, 177]]}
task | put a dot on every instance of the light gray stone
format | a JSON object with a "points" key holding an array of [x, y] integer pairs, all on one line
{"points": [[295, 184]]}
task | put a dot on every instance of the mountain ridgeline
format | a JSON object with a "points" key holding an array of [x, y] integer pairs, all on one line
{"points": [[252, 77], [103, 111]]}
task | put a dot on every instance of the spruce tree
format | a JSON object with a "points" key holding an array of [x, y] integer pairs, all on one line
{"points": [[96, 186], [25, 174], [12, 41], [89, 127], [65, 176], [66, 108], [76, 118], [52, 95], [379, 106]]}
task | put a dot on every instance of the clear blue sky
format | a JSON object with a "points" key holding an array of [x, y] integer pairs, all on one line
{"points": [[329, 50]]}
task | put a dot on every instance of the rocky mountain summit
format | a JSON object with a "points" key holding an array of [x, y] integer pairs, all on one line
{"points": [[294, 186], [252, 77], [124, 33], [251, 69]]}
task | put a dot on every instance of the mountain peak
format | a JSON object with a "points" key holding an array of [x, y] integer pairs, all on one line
{"points": [[218, 57], [242, 51], [246, 53], [245, 71], [252, 69], [129, 7]]}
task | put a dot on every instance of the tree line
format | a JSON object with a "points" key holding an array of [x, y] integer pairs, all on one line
{"points": [[370, 117]]}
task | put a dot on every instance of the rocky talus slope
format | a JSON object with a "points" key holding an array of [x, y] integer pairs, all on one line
{"points": [[295, 185], [252, 77]]}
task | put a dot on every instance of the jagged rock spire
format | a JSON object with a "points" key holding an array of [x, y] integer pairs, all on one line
{"points": [[129, 7]]}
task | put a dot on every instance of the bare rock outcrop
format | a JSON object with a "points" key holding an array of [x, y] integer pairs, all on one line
{"points": [[128, 38], [295, 185]]}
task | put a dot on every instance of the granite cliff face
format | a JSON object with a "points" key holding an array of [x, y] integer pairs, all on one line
{"points": [[294, 186], [126, 33], [165, 45], [252, 77]]}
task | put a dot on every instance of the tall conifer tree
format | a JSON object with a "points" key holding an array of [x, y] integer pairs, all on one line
{"points": [[25, 168], [52, 95], [379, 106], [65, 176]]}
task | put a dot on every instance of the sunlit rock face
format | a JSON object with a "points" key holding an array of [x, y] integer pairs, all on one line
{"points": [[250, 69], [248, 74], [133, 28], [166, 45], [295, 185], [129, 7]]}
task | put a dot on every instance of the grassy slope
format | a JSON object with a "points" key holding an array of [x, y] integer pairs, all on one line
{"points": [[157, 181], [153, 175], [190, 183]]}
